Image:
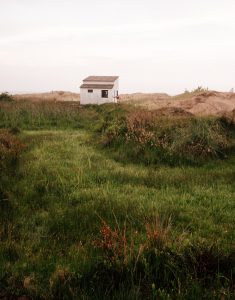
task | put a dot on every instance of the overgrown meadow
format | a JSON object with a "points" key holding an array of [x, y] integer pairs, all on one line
{"points": [[111, 202]]}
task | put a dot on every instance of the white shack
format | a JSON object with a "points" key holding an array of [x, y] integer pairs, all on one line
{"points": [[99, 90]]}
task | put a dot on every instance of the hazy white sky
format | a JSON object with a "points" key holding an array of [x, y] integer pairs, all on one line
{"points": [[153, 45]]}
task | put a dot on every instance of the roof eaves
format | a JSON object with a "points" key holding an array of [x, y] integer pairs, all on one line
{"points": [[97, 86], [101, 78]]}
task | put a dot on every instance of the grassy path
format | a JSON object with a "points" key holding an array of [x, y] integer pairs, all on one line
{"points": [[66, 186], [62, 168]]}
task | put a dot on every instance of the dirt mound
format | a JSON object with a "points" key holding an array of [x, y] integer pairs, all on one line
{"points": [[212, 103], [202, 103]]}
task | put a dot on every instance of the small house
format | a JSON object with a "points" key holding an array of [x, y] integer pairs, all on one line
{"points": [[99, 90]]}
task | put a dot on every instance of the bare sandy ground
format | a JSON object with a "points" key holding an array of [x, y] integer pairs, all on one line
{"points": [[209, 103], [203, 103]]}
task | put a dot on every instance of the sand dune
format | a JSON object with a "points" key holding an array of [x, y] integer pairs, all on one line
{"points": [[204, 103]]}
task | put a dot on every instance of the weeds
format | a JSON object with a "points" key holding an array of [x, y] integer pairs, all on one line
{"points": [[160, 268], [199, 89], [113, 242], [158, 233], [169, 140]]}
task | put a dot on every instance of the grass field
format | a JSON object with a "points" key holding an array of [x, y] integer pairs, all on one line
{"points": [[81, 221]]}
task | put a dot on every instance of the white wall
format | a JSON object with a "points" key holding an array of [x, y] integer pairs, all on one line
{"points": [[95, 97]]}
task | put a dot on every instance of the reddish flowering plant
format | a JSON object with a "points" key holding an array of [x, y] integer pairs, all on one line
{"points": [[113, 242], [158, 232], [120, 249]]}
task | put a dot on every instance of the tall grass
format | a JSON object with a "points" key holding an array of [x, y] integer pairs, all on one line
{"points": [[34, 115], [82, 222], [51, 114], [147, 137], [11, 148]]}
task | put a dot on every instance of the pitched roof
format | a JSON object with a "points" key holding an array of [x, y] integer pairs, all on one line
{"points": [[97, 86], [101, 78]]}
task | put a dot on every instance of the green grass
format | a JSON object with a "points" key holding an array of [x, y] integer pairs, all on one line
{"points": [[66, 187], [55, 115]]}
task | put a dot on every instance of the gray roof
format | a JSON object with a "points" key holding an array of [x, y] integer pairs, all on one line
{"points": [[97, 86], [101, 78]]}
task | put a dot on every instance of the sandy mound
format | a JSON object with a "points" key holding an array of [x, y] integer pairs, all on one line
{"points": [[208, 103], [204, 103]]}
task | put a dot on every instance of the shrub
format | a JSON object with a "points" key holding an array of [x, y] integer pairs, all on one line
{"points": [[10, 149], [5, 97], [200, 139], [168, 139], [200, 89]]}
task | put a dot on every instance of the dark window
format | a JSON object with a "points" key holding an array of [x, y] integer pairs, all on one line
{"points": [[90, 91], [104, 93]]}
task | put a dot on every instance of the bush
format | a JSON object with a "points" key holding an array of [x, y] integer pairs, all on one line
{"points": [[10, 150], [5, 97], [151, 138], [200, 89]]}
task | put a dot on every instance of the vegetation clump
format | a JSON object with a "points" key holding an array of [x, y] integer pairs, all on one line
{"points": [[10, 149], [199, 89], [5, 97], [152, 138]]}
